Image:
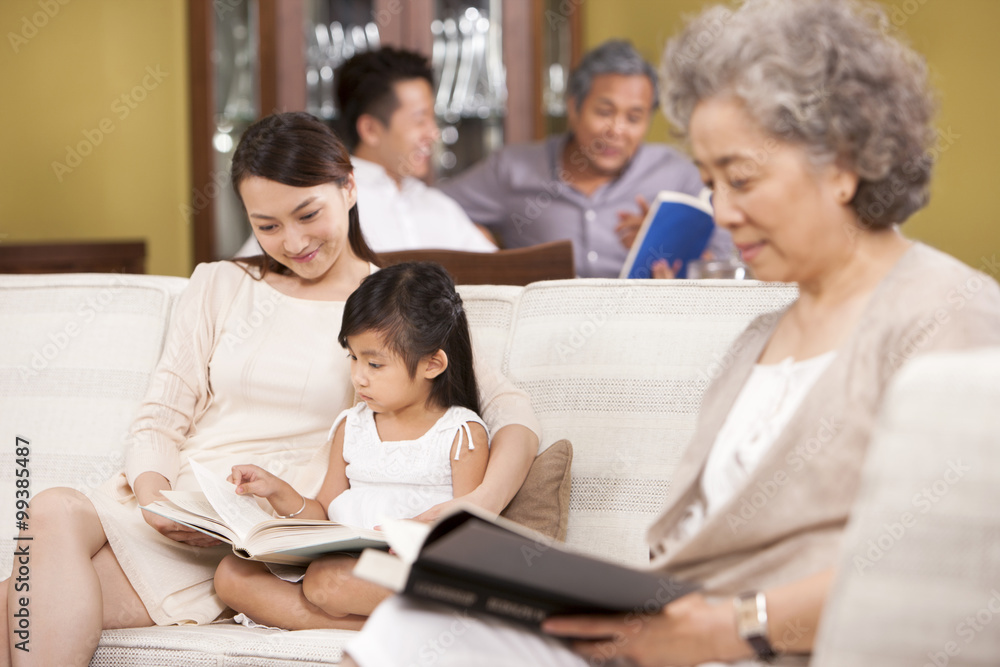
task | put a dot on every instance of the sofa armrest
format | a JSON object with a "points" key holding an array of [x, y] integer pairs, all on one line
{"points": [[918, 580]]}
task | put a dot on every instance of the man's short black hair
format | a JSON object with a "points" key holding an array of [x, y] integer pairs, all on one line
{"points": [[364, 85]]}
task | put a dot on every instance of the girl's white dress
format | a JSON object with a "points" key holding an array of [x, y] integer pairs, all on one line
{"points": [[396, 479]]}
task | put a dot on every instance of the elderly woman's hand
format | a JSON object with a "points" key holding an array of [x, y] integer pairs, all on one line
{"points": [[689, 631]]}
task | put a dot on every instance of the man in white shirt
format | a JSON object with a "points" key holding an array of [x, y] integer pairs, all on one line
{"points": [[387, 121], [386, 104]]}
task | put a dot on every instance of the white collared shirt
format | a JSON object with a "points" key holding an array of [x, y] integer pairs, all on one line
{"points": [[407, 217], [411, 215]]}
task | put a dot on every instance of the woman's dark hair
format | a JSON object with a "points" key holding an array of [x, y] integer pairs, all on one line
{"points": [[296, 149], [416, 310]]}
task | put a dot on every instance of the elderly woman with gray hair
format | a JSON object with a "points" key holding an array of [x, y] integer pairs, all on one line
{"points": [[812, 125]]}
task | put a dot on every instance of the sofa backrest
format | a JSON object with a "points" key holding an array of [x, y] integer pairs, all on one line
{"points": [[618, 368], [75, 359]]}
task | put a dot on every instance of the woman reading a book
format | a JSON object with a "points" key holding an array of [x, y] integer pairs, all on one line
{"points": [[812, 125], [415, 441], [247, 375]]}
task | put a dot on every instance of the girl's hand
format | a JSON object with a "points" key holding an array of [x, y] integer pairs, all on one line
{"points": [[255, 481], [688, 631], [251, 480]]}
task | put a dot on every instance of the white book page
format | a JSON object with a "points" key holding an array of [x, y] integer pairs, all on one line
{"points": [[241, 513], [406, 536], [193, 502]]}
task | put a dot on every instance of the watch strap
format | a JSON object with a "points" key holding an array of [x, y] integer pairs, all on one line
{"points": [[762, 647], [751, 624]]}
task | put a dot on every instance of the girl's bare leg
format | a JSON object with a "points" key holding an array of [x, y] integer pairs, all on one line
{"points": [[77, 587], [330, 586], [250, 588]]}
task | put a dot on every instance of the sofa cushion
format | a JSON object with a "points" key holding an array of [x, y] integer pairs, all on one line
{"points": [[542, 503], [219, 645], [77, 354]]}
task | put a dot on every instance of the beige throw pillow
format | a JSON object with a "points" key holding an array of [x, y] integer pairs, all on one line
{"points": [[542, 504]]}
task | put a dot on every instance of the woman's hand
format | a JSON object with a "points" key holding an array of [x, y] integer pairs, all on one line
{"points": [[178, 532], [688, 631], [439, 510], [512, 451], [149, 487]]}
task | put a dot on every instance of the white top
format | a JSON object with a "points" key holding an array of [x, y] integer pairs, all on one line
{"points": [[396, 479], [411, 215], [760, 413]]}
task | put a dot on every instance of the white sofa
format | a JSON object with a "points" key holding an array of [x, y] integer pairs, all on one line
{"points": [[617, 367]]}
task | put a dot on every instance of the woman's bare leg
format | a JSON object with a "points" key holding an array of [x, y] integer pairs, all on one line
{"points": [[77, 587], [330, 586], [9, 611], [249, 587]]}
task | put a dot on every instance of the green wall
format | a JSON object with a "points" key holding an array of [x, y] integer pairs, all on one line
{"points": [[95, 124], [959, 39]]}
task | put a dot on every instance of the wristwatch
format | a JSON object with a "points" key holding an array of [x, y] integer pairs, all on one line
{"points": [[751, 623]]}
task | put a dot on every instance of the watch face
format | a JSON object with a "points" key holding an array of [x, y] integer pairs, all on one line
{"points": [[748, 622]]}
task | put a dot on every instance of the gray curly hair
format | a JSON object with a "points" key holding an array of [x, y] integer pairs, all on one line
{"points": [[614, 56], [824, 74]]}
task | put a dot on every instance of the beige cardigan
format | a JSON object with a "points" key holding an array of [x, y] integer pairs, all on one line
{"points": [[787, 521]]}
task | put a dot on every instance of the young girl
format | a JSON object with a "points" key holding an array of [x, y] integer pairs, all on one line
{"points": [[414, 441]]}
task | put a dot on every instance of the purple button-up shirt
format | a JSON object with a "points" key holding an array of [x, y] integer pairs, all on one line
{"points": [[518, 192]]}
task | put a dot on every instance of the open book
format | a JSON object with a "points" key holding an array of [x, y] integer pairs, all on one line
{"points": [[472, 561], [677, 226], [255, 534]]}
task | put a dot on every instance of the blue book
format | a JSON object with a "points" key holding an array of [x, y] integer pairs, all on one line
{"points": [[678, 226]]}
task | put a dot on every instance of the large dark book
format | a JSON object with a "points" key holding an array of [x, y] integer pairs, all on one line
{"points": [[473, 562], [677, 227]]}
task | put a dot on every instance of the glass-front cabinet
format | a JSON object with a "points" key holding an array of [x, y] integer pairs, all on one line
{"points": [[500, 70]]}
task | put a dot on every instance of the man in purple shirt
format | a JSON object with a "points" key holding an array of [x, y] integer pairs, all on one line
{"points": [[591, 185]]}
